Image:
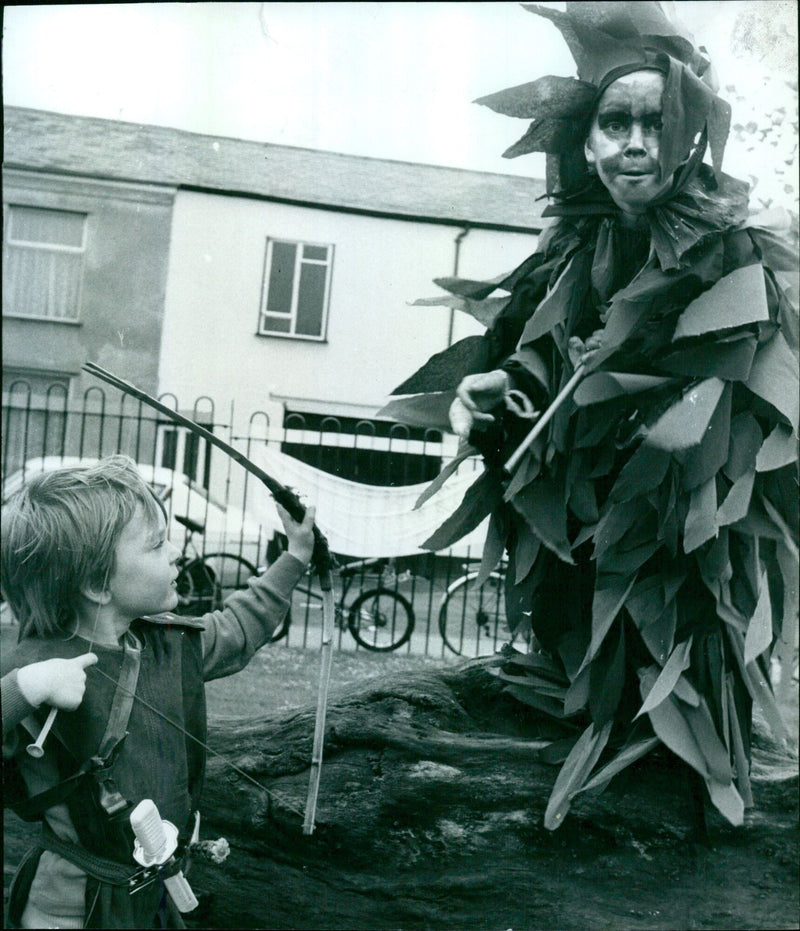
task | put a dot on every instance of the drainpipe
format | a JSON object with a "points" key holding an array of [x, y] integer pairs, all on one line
{"points": [[458, 240]]}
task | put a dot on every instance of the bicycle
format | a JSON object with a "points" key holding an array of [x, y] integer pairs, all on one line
{"points": [[205, 580], [469, 612], [379, 619]]}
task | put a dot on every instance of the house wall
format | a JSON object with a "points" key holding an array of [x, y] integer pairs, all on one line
{"points": [[374, 338], [124, 281]]}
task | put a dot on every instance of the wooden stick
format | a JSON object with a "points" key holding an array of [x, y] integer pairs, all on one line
{"points": [[541, 423], [326, 656]]}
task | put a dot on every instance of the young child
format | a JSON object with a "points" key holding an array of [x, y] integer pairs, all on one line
{"points": [[87, 568]]}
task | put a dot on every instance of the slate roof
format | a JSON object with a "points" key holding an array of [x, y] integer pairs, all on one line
{"points": [[116, 150]]}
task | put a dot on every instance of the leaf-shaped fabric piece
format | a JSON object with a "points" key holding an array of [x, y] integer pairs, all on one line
{"points": [[480, 499], [467, 287], [730, 358], [758, 687], [450, 469], [483, 311], [549, 133], [779, 449], [701, 519], [444, 370], [687, 692], [527, 552], [745, 442], [774, 378], [577, 696], [422, 410], [543, 686], [651, 290], [630, 753], [716, 755], [603, 386], [493, 550], [703, 461], [644, 471], [726, 800], [550, 706], [686, 103], [659, 635], [671, 726], [737, 501], [773, 233], [759, 629], [542, 664], [616, 521], [542, 505], [554, 307], [668, 677], [607, 678], [685, 423], [739, 753], [574, 772], [737, 299], [606, 606], [551, 95]]}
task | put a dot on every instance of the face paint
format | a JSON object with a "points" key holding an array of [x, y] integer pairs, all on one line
{"points": [[624, 140]]}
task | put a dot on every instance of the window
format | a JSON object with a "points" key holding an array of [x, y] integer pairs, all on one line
{"points": [[296, 285], [43, 262]]}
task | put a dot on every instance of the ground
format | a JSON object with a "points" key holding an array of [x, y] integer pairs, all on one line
{"points": [[612, 864]]}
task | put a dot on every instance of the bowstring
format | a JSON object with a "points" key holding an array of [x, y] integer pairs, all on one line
{"points": [[197, 740]]}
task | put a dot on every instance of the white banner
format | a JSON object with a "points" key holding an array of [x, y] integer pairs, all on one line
{"points": [[366, 521]]}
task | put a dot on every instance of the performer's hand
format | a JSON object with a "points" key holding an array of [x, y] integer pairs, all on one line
{"points": [[299, 534], [579, 352], [475, 397], [57, 682]]}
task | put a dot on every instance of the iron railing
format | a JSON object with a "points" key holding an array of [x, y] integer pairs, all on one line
{"points": [[45, 428]]}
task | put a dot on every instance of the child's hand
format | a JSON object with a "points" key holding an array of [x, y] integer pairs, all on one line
{"points": [[300, 535], [57, 682]]}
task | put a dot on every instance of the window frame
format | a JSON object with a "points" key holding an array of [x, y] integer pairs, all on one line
{"points": [[38, 245], [300, 261]]}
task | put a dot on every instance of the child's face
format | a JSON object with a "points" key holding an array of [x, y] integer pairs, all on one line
{"points": [[143, 581], [624, 140]]}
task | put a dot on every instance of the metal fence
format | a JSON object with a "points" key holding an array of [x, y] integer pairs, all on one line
{"points": [[43, 427]]}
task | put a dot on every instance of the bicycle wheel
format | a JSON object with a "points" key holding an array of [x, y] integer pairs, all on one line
{"points": [[381, 620], [472, 618], [205, 584]]}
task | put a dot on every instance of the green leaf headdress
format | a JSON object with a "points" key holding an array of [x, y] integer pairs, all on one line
{"points": [[608, 40]]}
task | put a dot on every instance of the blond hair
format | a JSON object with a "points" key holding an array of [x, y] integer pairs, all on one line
{"points": [[59, 536]]}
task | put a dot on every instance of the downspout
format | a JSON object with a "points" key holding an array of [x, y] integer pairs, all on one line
{"points": [[458, 240]]}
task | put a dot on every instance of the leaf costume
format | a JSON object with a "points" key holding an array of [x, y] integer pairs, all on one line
{"points": [[651, 530]]}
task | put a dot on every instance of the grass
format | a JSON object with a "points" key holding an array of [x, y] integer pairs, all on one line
{"points": [[279, 678]]}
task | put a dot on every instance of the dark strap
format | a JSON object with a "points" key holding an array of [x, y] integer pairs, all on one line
{"points": [[122, 702], [101, 868], [31, 809]]}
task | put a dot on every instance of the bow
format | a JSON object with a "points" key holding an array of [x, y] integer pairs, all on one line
{"points": [[321, 560]]}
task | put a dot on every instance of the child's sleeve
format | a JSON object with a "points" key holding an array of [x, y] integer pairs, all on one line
{"points": [[15, 707], [233, 634]]}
